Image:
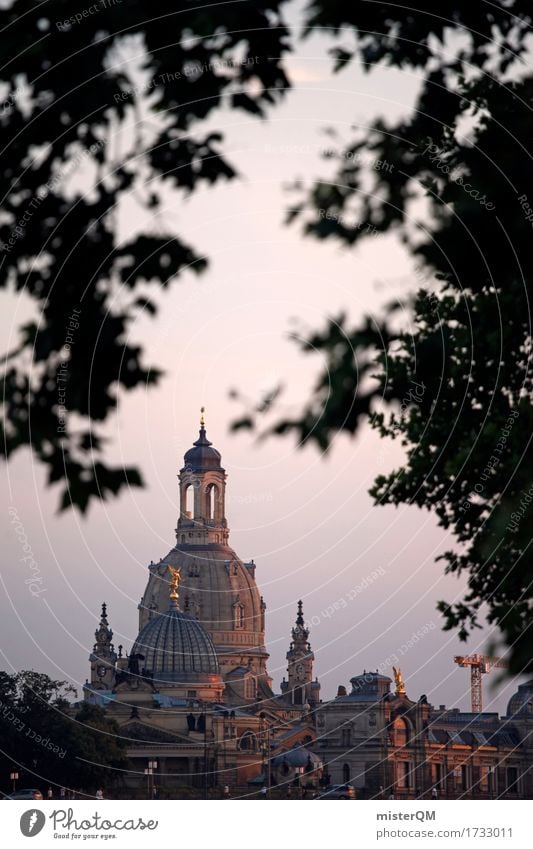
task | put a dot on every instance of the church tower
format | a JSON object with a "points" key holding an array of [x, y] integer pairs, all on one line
{"points": [[103, 657], [217, 587], [300, 687], [202, 493]]}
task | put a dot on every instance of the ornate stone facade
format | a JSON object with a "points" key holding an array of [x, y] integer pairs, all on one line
{"points": [[193, 697], [194, 700], [389, 746], [217, 587]]}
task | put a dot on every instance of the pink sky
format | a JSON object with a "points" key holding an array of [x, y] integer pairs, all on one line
{"points": [[306, 520]]}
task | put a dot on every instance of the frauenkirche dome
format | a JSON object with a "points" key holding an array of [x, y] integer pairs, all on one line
{"points": [[218, 589]]}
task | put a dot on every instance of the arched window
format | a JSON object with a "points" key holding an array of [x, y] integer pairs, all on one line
{"points": [[400, 733], [249, 688], [247, 742], [238, 616], [211, 502], [189, 501], [345, 773]]}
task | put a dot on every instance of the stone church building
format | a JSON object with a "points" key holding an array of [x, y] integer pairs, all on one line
{"points": [[197, 708]]}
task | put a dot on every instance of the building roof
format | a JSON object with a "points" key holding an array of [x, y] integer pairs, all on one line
{"points": [[522, 701], [473, 734], [202, 457], [368, 687], [297, 757]]}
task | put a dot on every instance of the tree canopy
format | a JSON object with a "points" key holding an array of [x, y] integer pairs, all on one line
{"points": [[452, 179], [78, 90], [50, 742], [452, 182]]}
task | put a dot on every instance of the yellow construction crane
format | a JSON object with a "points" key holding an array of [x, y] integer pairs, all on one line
{"points": [[479, 664]]}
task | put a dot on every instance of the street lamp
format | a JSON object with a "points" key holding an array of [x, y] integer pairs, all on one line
{"points": [[265, 748], [14, 776]]}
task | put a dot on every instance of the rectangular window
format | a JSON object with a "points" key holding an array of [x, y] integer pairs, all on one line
{"points": [[403, 773], [465, 782], [436, 774], [191, 694], [483, 779], [512, 779]]}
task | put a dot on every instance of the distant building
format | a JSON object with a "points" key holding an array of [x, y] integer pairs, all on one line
{"points": [[385, 744]]}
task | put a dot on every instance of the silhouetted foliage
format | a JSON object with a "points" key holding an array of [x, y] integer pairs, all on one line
{"points": [[51, 743], [452, 179], [79, 88], [452, 182]]}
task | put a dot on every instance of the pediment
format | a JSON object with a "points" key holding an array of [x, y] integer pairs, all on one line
{"points": [[139, 732]]}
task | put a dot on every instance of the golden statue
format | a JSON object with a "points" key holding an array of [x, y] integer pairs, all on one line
{"points": [[175, 577], [398, 680]]}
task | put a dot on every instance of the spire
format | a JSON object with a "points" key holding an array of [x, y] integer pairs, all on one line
{"points": [[300, 633], [202, 440], [103, 635], [300, 687], [103, 657]]}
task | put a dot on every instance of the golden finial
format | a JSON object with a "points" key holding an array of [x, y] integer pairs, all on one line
{"points": [[202, 417], [175, 578], [398, 680]]}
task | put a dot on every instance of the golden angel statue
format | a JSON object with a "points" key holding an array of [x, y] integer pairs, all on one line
{"points": [[175, 577]]}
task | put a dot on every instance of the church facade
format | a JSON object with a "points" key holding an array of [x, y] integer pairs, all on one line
{"points": [[192, 696], [195, 703]]}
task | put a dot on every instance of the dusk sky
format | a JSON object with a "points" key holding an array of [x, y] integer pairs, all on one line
{"points": [[306, 519]]}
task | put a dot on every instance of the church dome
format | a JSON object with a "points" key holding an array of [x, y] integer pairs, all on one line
{"points": [[217, 588], [368, 687], [202, 457], [297, 757], [522, 701], [175, 647]]}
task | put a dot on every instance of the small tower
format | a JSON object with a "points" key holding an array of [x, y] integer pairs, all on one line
{"points": [[300, 687], [103, 657], [202, 480]]}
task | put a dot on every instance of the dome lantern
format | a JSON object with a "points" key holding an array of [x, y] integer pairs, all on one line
{"points": [[202, 482]]}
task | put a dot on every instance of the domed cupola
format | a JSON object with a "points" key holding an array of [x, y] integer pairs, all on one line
{"points": [[218, 589], [202, 479], [202, 457], [174, 648]]}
